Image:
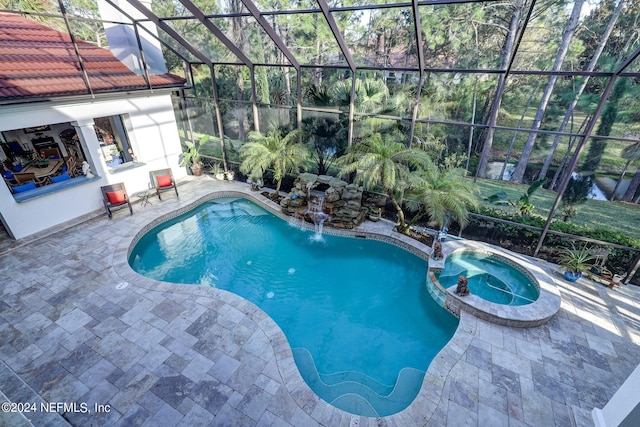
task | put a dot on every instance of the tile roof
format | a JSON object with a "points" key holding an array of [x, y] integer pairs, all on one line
{"points": [[37, 61]]}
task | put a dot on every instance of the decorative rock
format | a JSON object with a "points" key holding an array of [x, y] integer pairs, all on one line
{"points": [[353, 204], [342, 201], [308, 177], [337, 183], [331, 195], [324, 179]]}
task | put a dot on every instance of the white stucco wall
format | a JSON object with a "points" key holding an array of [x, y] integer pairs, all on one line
{"points": [[155, 136], [623, 410]]}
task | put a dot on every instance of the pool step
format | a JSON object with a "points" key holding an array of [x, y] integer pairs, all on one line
{"points": [[234, 210], [358, 393]]}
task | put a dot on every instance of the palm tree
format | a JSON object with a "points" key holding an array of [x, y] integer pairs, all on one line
{"points": [[371, 95], [283, 154], [383, 162], [442, 194]]}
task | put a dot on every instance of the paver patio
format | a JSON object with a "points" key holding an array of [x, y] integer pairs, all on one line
{"points": [[77, 325]]}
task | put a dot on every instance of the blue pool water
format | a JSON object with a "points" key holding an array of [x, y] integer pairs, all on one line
{"points": [[489, 277], [362, 327]]}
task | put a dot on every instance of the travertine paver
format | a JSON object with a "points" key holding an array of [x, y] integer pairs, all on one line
{"points": [[78, 326]]}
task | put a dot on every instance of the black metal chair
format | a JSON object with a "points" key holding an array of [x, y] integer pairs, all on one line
{"points": [[115, 195], [162, 180]]}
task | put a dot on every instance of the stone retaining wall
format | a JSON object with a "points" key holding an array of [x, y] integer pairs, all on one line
{"points": [[341, 201]]}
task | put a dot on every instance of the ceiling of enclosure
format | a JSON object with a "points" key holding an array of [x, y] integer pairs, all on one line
{"points": [[490, 36], [435, 53]]}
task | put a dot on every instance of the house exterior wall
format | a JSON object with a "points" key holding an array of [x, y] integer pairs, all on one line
{"points": [[154, 134]]}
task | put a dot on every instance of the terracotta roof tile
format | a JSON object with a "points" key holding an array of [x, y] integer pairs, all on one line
{"points": [[40, 61]]}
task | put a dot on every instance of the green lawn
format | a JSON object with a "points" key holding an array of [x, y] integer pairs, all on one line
{"points": [[622, 217]]}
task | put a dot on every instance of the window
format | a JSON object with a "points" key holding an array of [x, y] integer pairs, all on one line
{"points": [[33, 158], [115, 144]]}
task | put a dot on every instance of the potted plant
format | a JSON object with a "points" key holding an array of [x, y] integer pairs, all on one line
{"points": [[375, 213], [575, 261], [230, 174], [218, 172], [192, 156]]}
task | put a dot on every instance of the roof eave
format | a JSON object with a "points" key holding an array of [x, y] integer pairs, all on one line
{"points": [[101, 95]]}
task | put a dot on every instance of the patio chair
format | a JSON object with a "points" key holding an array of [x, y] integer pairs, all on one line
{"points": [[115, 195], [25, 177], [162, 180], [72, 166]]}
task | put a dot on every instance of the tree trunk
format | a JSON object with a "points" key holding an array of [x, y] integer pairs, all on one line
{"points": [[559, 175], [518, 174], [509, 45], [276, 193], [633, 187], [620, 178], [585, 82], [402, 226]]}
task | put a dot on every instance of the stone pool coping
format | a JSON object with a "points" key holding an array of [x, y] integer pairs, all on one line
{"points": [[419, 412]]}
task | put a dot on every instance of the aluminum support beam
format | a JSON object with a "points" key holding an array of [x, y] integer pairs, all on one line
{"points": [[142, 57], [352, 109], [170, 31], [285, 51], [271, 32], [85, 76], [225, 163], [197, 13], [417, 26], [502, 84], [195, 52], [337, 34], [135, 25], [583, 142], [347, 56]]}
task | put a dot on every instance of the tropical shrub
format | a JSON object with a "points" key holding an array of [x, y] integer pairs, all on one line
{"points": [[283, 154], [383, 163]]}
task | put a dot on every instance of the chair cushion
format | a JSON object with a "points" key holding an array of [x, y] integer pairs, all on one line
{"points": [[116, 197], [24, 187], [59, 178], [164, 180]]}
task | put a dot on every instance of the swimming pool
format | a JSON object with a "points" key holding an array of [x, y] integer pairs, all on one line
{"points": [[362, 327], [490, 277]]}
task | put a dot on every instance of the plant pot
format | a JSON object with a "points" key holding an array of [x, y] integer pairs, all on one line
{"points": [[572, 276], [374, 217], [197, 170], [220, 176], [230, 175]]}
